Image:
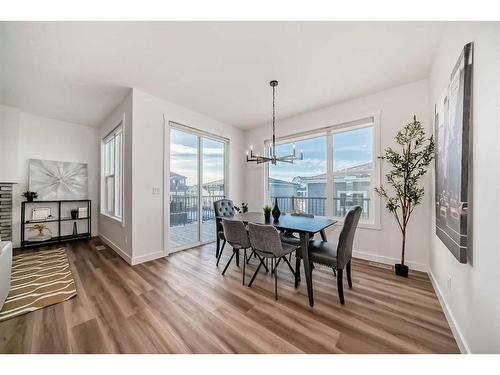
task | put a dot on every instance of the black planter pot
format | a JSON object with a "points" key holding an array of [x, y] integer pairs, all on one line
{"points": [[29, 199], [267, 217], [276, 210], [74, 214], [401, 270]]}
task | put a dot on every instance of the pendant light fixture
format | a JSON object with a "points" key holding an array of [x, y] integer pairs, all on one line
{"points": [[272, 157]]}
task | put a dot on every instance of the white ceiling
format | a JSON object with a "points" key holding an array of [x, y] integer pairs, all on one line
{"points": [[79, 72]]}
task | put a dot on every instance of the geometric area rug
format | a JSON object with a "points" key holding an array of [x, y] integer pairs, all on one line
{"points": [[38, 280]]}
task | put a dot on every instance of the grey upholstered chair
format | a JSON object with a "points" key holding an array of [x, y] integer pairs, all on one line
{"points": [[265, 240], [337, 256], [222, 208], [236, 235]]}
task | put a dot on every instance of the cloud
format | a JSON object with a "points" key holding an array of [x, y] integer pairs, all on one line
{"points": [[355, 148], [179, 149], [186, 165]]}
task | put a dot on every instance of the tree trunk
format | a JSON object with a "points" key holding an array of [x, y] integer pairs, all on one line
{"points": [[403, 244]]}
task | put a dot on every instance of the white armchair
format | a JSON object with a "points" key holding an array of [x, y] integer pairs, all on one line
{"points": [[5, 270]]}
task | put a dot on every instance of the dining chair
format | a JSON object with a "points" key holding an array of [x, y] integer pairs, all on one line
{"points": [[236, 235], [335, 256], [265, 241], [222, 208]]}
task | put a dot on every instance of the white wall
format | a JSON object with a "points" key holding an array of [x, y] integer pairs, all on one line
{"points": [[397, 107], [115, 234], [9, 140], [43, 138], [151, 165], [472, 303]]}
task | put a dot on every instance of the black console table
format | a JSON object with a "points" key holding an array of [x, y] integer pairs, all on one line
{"points": [[63, 208]]}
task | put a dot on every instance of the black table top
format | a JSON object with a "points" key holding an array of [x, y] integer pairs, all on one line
{"points": [[290, 222]]}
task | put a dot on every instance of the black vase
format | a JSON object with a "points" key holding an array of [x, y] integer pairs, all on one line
{"points": [[276, 210]]}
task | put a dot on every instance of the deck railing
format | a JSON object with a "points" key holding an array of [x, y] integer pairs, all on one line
{"points": [[317, 206], [184, 208]]}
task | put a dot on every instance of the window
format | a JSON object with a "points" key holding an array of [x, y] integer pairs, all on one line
{"points": [[337, 173], [112, 182], [300, 186], [353, 170]]}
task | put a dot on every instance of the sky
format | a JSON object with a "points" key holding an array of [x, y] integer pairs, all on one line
{"points": [[184, 159], [350, 148]]}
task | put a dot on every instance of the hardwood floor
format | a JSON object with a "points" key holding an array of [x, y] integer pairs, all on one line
{"points": [[182, 304]]}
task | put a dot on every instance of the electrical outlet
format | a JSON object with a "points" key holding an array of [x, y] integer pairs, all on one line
{"points": [[448, 282], [156, 190]]}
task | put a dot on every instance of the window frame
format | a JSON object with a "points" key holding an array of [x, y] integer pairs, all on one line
{"points": [[358, 122], [118, 170]]}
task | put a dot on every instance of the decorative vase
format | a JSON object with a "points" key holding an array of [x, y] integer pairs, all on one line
{"points": [[276, 210], [267, 216], [74, 214], [401, 270], [75, 231]]}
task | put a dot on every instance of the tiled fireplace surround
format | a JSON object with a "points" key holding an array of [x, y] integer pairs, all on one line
{"points": [[6, 211]]}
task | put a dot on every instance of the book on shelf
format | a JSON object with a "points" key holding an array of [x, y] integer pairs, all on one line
{"points": [[83, 212]]}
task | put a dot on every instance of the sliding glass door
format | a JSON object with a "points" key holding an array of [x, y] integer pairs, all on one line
{"points": [[213, 184], [194, 157]]}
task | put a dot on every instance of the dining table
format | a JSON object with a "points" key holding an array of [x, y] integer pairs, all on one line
{"points": [[305, 227]]}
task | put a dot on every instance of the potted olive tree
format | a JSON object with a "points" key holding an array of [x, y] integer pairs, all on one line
{"points": [[409, 163]]}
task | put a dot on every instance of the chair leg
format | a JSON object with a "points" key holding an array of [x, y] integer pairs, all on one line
{"points": [[228, 263], [290, 266], [340, 286], [250, 257], [220, 252], [218, 247], [256, 272], [334, 272], [275, 279], [264, 263], [348, 271], [244, 262], [237, 258], [276, 266], [297, 271]]}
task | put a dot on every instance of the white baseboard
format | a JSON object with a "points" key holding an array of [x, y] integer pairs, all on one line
{"points": [[127, 258], [147, 257], [455, 329], [116, 248], [388, 260]]}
